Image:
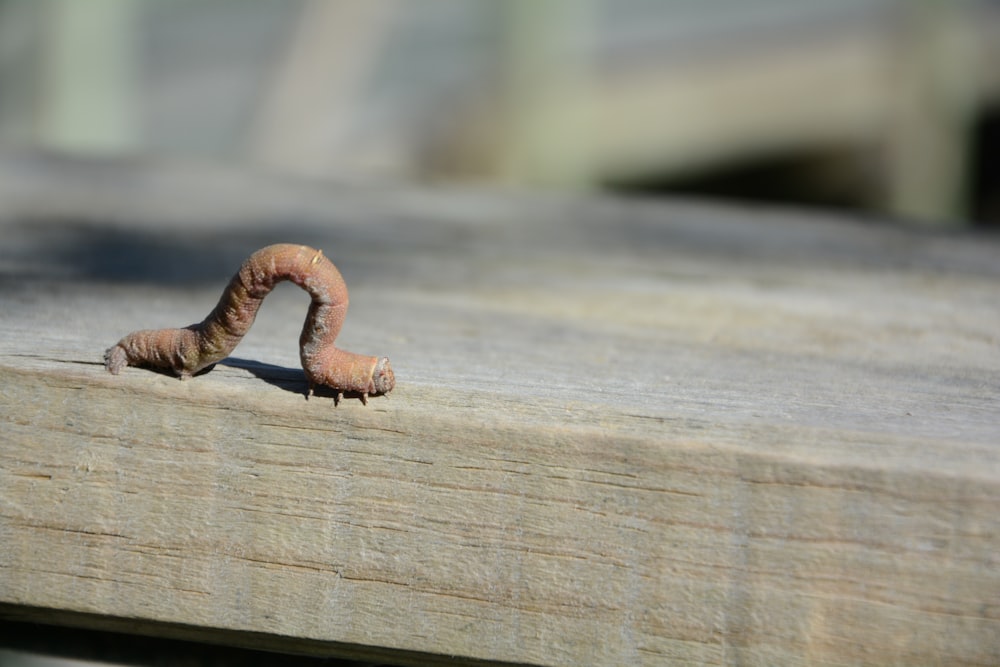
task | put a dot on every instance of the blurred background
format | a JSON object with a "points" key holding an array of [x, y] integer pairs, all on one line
{"points": [[887, 107]]}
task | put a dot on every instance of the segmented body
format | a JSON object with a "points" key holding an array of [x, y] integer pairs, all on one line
{"points": [[190, 349]]}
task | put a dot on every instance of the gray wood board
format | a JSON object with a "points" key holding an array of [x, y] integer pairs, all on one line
{"points": [[623, 432]]}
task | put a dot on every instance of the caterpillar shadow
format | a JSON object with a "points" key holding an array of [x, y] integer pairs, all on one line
{"points": [[289, 379]]}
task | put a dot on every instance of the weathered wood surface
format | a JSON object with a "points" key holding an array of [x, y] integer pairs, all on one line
{"points": [[623, 433]]}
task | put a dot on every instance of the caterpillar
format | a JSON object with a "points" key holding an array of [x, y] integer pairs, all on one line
{"points": [[190, 349]]}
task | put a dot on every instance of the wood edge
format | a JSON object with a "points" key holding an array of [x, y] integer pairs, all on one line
{"points": [[440, 414]]}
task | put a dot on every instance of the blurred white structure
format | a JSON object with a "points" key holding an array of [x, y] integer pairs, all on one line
{"points": [[569, 93]]}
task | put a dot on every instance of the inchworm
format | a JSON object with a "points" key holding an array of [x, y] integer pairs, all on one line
{"points": [[187, 351]]}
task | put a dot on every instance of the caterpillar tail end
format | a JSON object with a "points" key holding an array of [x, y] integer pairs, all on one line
{"points": [[115, 359]]}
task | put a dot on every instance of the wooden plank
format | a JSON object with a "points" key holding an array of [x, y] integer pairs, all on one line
{"points": [[623, 432]]}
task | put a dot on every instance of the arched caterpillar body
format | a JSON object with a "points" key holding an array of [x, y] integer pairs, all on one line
{"points": [[187, 351]]}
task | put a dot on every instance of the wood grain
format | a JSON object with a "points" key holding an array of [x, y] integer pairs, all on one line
{"points": [[622, 432]]}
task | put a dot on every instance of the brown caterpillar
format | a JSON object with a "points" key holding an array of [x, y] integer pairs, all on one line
{"points": [[187, 351]]}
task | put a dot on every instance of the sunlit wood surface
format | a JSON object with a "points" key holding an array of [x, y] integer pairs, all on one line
{"points": [[622, 432]]}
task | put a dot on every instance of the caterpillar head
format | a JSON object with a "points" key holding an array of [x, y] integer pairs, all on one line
{"points": [[383, 379]]}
